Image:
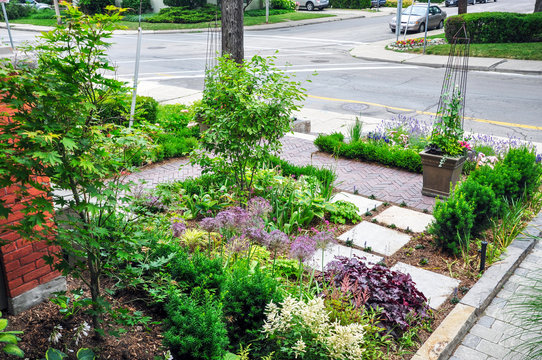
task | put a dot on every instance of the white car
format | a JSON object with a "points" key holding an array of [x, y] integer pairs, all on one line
{"points": [[310, 5], [34, 4]]}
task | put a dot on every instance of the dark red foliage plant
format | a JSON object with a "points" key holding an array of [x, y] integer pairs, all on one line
{"points": [[401, 304]]}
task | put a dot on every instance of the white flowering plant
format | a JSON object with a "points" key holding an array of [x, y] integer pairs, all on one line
{"points": [[305, 331]]}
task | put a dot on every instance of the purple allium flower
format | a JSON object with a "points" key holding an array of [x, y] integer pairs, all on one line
{"points": [[538, 158], [323, 239], [238, 245], [275, 239], [154, 203], [259, 207], [302, 248], [233, 218], [257, 234], [178, 227], [208, 224]]}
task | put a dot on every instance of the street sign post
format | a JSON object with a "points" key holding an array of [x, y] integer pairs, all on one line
{"points": [[426, 23], [7, 22], [398, 18]]}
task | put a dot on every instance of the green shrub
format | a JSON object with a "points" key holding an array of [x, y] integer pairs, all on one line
{"points": [[94, 6], [194, 326], [497, 27], [183, 15], [485, 205], [117, 111], [173, 117], [15, 11], [371, 151], [283, 4], [172, 145], [196, 270], [134, 6], [453, 222], [351, 4], [190, 4], [521, 164], [43, 14], [245, 296], [261, 12]]}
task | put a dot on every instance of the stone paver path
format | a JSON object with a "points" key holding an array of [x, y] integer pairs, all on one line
{"points": [[379, 238], [405, 219], [364, 204], [497, 333], [340, 250]]}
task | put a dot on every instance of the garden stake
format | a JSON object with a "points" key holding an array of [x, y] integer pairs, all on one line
{"points": [[483, 256]]}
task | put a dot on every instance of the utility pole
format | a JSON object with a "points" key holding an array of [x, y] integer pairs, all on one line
{"points": [[232, 29]]}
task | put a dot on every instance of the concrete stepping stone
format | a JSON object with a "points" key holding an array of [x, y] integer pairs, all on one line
{"points": [[340, 250], [405, 218], [379, 238], [435, 287], [364, 204]]}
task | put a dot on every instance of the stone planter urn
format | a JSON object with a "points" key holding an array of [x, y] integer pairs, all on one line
{"points": [[437, 178]]}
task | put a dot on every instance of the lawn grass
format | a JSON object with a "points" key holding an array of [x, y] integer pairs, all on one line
{"points": [[518, 51], [249, 21]]}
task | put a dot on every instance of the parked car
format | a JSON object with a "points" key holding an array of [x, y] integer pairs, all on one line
{"points": [[484, 1], [375, 3], [310, 5], [454, 2], [417, 18], [34, 4]]}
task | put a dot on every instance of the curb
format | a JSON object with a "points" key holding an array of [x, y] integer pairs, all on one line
{"points": [[443, 341], [442, 65]]}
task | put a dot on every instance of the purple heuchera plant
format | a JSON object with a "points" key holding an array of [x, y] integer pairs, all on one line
{"points": [[178, 227], [302, 248], [395, 293]]}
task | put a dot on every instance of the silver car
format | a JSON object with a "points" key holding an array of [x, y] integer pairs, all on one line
{"points": [[314, 4], [417, 18]]}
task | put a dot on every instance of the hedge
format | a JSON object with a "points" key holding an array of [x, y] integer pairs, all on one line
{"points": [[497, 27], [385, 154], [351, 4]]}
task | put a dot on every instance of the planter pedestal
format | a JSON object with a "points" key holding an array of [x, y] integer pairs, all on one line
{"points": [[437, 180]]}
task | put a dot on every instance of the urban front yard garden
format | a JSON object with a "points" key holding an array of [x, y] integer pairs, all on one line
{"points": [[252, 257]]}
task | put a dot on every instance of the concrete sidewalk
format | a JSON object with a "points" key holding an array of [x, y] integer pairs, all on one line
{"points": [[376, 51]]}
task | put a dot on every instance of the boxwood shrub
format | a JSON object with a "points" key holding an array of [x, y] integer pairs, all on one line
{"points": [[497, 27], [481, 197], [351, 4], [385, 154], [184, 15]]}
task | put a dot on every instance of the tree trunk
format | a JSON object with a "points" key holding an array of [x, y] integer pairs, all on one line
{"points": [[232, 29], [538, 6], [57, 12], [462, 7]]}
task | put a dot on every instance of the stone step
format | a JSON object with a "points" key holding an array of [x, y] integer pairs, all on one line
{"points": [[405, 219], [364, 204], [379, 238], [339, 250]]}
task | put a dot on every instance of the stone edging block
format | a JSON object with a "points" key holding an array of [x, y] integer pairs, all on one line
{"points": [[459, 321]]}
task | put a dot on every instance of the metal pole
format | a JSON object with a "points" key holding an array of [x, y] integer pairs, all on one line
{"points": [[408, 21], [136, 71], [398, 17], [483, 256], [7, 25], [426, 22], [267, 11]]}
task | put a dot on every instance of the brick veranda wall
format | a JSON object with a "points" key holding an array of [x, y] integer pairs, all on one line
{"points": [[26, 277]]}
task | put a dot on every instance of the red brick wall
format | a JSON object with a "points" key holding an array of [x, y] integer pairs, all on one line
{"points": [[22, 262]]}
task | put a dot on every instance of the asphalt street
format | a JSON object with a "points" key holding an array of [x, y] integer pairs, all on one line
{"points": [[320, 53]]}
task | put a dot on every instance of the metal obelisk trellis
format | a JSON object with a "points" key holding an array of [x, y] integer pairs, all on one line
{"points": [[214, 42], [454, 85]]}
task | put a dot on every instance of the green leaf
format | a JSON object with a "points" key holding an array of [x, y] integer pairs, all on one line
{"points": [[12, 349], [231, 356], [8, 338], [85, 354], [3, 324], [54, 354], [69, 144]]}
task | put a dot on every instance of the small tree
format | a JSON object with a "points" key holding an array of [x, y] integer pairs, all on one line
{"points": [[59, 134], [247, 110]]}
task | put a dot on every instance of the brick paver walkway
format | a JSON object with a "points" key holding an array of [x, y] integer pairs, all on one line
{"points": [[497, 333], [386, 184]]}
